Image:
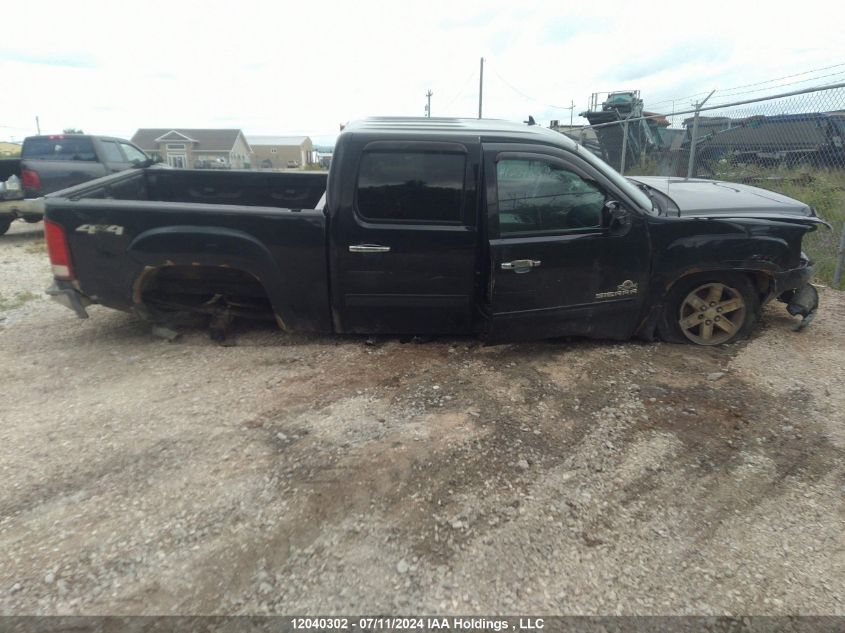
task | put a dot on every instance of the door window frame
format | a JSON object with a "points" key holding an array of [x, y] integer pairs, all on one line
{"points": [[558, 162], [123, 144], [121, 159], [493, 152], [467, 218]]}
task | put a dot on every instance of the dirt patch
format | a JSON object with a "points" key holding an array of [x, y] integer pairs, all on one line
{"points": [[292, 473]]}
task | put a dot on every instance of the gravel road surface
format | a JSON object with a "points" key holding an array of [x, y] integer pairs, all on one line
{"points": [[312, 474]]}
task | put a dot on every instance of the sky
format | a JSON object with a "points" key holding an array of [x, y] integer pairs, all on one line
{"points": [[281, 67]]}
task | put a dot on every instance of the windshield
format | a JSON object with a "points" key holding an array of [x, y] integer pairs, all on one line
{"points": [[620, 181]]}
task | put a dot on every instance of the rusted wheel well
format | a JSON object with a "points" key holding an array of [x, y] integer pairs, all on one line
{"points": [[762, 281], [202, 289]]}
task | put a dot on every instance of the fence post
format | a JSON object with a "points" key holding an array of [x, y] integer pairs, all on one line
{"points": [[691, 164], [840, 260], [624, 147]]}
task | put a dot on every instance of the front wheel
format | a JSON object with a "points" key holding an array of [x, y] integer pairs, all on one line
{"points": [[5, 223], [710, 310]]}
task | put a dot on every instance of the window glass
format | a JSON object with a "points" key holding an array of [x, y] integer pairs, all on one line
{"points": [[66, 148], [112, 153], [617, 179], [411, 186], [535, 196], [133, 154]]}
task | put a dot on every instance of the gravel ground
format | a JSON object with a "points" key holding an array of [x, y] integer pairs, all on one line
{"points": [[302, 474]]}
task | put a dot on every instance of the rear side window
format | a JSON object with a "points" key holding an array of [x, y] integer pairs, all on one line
{"points": [[67, 148], [112, 153], [133, 154], [411, 186]]}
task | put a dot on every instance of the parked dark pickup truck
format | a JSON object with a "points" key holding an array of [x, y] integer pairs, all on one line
{"points": [[437, 226], [51, 163]]}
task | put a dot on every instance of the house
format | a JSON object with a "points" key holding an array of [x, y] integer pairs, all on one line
{"points": [[9, 149], [272, 152], [196, 148]]}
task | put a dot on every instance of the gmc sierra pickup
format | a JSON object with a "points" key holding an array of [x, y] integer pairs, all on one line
{"points": [[437, 226], [51, 163]]}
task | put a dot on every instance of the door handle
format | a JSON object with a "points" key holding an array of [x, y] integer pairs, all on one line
{"points": [[368, 248], [521, 265]]}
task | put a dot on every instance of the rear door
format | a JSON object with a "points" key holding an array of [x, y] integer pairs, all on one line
{"points": [[404, 242], [557, 266]]}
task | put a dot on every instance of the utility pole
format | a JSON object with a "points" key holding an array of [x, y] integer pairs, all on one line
{"points": [[38, 126], [480, 87], [693, 142], [428, 105], [571, 112]]}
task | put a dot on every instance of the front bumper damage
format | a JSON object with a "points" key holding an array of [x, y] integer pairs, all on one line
{"points": [[65, 293], [793, 288]]}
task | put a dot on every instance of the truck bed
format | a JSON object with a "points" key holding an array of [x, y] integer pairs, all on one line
{"points": [[163, 237]]}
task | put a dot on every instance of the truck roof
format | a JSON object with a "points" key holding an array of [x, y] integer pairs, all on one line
{"points": [[56, 137], [486, 129]]}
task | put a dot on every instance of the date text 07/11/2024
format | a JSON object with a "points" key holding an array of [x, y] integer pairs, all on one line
{"points": [[382, 623]]}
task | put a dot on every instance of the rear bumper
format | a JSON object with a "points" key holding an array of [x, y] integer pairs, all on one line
{"points": [[22, 208], [63, 292]]}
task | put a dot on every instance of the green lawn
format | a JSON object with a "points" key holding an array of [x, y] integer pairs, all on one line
{"points": [[823, 190]]}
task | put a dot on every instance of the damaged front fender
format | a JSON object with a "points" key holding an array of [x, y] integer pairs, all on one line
{"points": [[802, 302]]}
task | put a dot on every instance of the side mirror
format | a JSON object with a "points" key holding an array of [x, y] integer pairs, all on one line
{"points": [[608, 212], [615, 218]]}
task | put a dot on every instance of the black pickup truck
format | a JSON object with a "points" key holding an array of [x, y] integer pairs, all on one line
{"points": [[57, 161], [429, 226]]}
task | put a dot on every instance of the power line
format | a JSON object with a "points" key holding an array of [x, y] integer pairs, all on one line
{"points": [[791, 83], [727, 92], [768, 81], [651, 104], [530, 98], [463, 89]]}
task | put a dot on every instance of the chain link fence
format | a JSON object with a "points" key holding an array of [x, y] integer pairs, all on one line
{"points": [[792, 143]]}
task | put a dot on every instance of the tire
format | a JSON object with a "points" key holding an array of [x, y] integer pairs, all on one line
{"points": [[5, 223], [712, 309]]}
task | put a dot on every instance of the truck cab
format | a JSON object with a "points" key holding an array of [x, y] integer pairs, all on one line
{"points": [[503, 225]]}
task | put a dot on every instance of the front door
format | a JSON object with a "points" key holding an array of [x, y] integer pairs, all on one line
{"points": [[177, 161], [404, 242], [557, 266]]}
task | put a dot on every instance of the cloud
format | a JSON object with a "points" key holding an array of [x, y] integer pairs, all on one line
{"points": [[59, 59], [680, 55], [304, 68]]}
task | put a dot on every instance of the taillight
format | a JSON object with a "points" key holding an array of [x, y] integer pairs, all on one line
{"points": [[58, 250], [31, 180]]}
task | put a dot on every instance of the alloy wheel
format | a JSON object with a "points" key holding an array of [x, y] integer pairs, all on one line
{"points": [[712, 314]]}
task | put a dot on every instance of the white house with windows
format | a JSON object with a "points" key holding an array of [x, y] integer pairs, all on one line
{"points": [[185, 148]]}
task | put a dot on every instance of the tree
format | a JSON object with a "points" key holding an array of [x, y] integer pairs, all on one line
{"points": [[72, 130]]}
